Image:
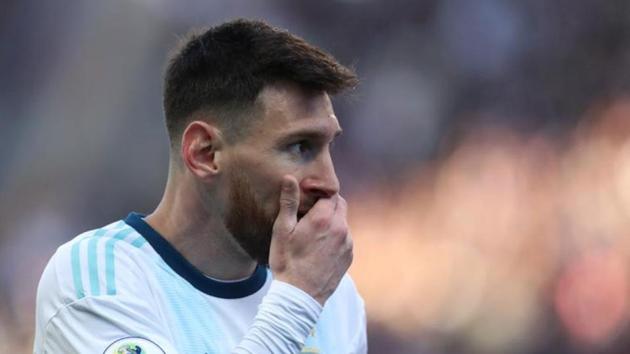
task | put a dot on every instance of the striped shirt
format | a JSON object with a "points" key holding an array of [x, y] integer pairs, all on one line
{"points": [[124, 287]]}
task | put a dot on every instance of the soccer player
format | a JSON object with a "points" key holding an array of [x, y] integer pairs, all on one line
{"points": [[247, 251]]}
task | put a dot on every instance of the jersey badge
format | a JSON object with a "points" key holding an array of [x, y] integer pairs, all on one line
{"points": [[133, 345]]}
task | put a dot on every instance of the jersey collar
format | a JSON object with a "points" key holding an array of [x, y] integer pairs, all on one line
{"points": [[179, 264]]}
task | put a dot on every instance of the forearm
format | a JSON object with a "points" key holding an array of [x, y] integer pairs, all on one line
{"points": [[284, 319]]}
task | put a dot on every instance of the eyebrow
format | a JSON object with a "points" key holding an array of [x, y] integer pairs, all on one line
{"points": [[309, 134]]}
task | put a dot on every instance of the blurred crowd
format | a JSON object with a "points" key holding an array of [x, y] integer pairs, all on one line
{"points": [[486, 156], [508, 244]]}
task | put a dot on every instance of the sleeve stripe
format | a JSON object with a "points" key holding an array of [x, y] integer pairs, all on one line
{"points": [[92, 239], [110, 270], [92, 262], [139, 242], [76, 270]]}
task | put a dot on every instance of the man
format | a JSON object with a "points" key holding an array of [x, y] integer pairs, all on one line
{"points": [[251, 195]]}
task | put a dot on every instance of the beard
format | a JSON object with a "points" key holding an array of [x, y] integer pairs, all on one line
{"points": [[247, 221]]}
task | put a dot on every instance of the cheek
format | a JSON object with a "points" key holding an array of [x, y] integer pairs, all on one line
{"points": [[264, 173], [271, 190], [264, 189], [271, 196]]}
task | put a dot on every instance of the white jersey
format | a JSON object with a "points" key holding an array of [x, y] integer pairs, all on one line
{"points": [[124, 289]]}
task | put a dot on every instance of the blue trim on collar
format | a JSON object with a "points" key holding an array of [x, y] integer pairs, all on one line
{"points": [[225, 290]]}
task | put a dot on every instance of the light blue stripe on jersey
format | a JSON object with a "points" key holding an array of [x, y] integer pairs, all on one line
{"points": [[110, 270], [92, 258], [139, 242], [76, 269], [93, 262], [76, 264]]}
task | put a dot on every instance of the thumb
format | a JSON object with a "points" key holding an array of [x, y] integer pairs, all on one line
{"points": [[289, 203]]}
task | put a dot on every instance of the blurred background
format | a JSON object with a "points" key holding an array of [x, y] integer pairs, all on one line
{"points": [[486, 156]]}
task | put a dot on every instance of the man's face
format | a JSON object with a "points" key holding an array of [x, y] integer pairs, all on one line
{"points": [[292, 136]]}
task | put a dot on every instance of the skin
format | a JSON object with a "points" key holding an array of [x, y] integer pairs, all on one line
{"points": [[271, 197]]}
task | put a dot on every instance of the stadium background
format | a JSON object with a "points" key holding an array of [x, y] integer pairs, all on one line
{"points": [[486, 156]]}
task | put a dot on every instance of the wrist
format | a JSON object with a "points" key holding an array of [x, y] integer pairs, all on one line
{"points": [[285, 318], [317, 295], [296, 294]]}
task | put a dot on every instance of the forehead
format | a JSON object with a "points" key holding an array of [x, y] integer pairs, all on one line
{"points": [[287, 108]]}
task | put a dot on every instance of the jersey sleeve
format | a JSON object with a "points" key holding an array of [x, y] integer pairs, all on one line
{"points": [[105, 325], [285, 317], [116, 313]]}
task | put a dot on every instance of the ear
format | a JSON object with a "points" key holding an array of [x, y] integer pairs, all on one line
{"points": [[201, 144]]}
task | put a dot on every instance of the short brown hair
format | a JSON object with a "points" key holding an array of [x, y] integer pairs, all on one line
{"points": [[223, 69]]}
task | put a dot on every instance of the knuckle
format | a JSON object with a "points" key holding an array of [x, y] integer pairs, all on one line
{"points": [[349, 246], [340, 231], [349, 243], [320, 223], [280, 230], [288, 202], [349, 257], [342, 202]]}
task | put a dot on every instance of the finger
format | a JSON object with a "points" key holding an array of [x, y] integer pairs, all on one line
{"points": [[339, 222], [321, 214], [289, 203]]}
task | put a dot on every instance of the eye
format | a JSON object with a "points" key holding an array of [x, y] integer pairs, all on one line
{"points": [[302, 148]]}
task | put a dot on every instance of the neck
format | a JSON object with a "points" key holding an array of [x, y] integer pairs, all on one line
{"points": [[198, 232]]}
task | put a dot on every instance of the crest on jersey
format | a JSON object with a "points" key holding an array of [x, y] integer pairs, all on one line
{"points": [[130, 348], [133, 345]]}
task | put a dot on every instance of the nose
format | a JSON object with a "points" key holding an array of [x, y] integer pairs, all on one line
{"points": [[321, 181]]}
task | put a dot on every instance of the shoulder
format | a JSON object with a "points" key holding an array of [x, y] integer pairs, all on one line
{"points": [[98, 262], [97, 272]]}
